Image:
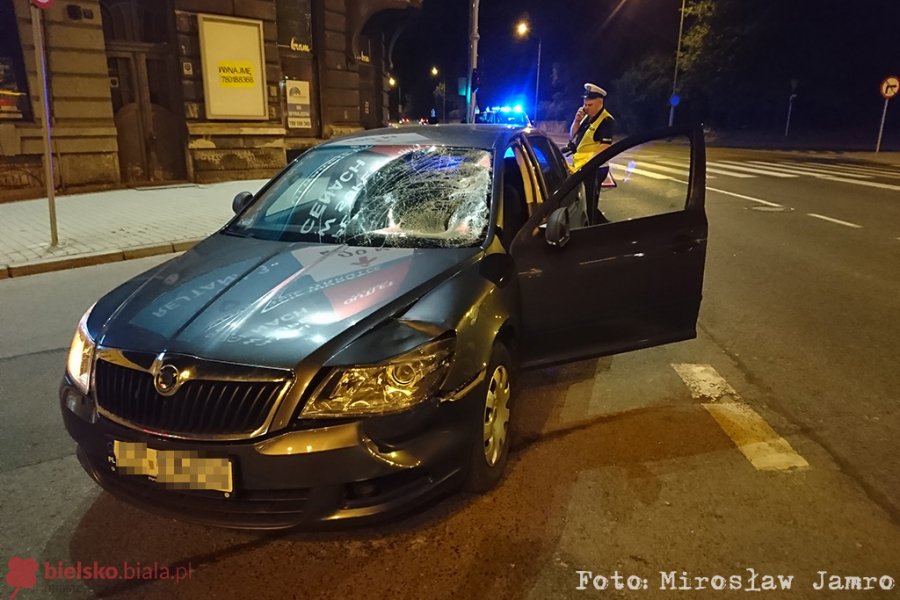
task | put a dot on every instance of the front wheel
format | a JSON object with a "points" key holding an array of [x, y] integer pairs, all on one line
{"points": [[490, 448]]}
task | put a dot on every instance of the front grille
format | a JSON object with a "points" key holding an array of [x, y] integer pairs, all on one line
{"points": [[199, 407]]}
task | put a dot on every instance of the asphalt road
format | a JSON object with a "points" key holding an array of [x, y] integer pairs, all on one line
{"points": [[620, 465]]}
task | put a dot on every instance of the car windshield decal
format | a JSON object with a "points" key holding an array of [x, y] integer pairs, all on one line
{"points": [[396, 196]]}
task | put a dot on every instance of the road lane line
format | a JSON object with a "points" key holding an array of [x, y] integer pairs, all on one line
{"points": [[683, 172], [757, 441], [795, 168], [756, 170], [838, 221], [637, 171], [875, 184], [751, 198], [705, 382], [863, 170], [710, 169]]}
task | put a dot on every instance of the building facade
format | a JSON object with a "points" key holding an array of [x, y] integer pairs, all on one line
{"points": [[186, 90]]}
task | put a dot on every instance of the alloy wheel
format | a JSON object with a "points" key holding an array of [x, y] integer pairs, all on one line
{"points": [[496, 415]]}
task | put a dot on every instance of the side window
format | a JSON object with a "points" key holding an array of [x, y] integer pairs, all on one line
{"points": [[514, 211], [533, 191], [643, 181], [550, 161]]}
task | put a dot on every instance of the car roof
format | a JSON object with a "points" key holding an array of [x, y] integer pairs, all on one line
{"points": [[462, 135]]}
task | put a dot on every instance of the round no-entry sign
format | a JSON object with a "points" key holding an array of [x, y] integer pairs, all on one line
{"points": [[43, 3], [890, 86]]}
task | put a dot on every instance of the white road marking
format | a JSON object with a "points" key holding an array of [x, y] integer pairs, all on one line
{"points": [[637, 171], [683, 172], [877, 172], [713, 170], [751, 198], [874, 184], [838, 221], [845, 179], [757, 441], [756, 170], [795, 168], [705, 382]]}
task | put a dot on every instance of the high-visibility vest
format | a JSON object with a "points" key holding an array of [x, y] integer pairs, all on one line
{"points": [[587, 147]]}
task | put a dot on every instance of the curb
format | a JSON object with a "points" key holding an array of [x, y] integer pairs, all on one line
{"points": [[96, 258]]}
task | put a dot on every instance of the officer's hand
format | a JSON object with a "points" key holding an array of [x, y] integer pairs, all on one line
{"points": [[579, 115]]}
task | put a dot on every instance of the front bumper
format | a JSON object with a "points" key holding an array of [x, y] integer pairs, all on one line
{"points": [[352, 471]]}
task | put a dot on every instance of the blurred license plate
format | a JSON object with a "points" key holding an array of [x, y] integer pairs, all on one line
{"points": [[176, 469]]}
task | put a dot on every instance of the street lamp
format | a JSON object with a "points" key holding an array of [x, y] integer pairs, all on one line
{"points": [[434, 73], [522, 30], [393, 83], [672, 100]]}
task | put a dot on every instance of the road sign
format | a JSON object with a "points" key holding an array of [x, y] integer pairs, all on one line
{"points": [[45, 4], [889, 87]]}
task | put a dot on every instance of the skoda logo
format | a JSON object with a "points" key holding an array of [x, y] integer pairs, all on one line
{"points": [[166, 380]]}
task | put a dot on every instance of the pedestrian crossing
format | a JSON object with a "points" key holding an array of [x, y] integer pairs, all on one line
{"points": [[659, 167]]}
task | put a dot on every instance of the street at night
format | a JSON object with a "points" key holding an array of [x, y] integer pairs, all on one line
{"points": [[616, 467]]}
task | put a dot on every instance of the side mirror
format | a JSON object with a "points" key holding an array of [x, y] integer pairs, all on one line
{"points": [[241, 201], [557, 233]]}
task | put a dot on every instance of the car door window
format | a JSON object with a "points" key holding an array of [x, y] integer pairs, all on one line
{"points": [[514, 211], [644, 181], [549, 159], [634, 281], [533, 192]]}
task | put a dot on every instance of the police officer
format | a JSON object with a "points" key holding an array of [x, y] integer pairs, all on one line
{"points": [[591, 131]]}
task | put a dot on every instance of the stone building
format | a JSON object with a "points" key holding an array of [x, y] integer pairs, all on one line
{"points": [[161, 91]]}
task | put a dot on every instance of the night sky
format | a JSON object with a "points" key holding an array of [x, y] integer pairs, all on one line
{"points": [[439, 36], [854, 44]]}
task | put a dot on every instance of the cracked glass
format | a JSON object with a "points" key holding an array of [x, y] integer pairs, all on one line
{"points": [[402, 196]]}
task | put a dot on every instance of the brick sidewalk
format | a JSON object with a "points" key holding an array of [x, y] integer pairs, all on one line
{"points": [[110, 226]]}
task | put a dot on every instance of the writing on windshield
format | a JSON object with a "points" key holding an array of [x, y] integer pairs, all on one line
{"points": [[380, 195]]}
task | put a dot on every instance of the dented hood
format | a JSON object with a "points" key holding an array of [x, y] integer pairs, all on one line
{"points": [[269, 303]]}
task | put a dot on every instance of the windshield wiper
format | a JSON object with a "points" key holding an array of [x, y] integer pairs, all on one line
{"points": [[243, 234]]}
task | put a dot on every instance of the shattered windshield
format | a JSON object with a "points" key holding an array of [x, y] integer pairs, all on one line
{"points": [[406, 196]]}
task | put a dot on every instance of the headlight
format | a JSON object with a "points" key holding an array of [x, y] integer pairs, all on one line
{"points": [[395, 385], [81, 353]]}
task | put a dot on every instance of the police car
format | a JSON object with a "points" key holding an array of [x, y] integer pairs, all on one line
{"points": [[504, 115]]}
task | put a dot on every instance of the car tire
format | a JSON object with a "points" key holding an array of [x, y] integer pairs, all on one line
{"points": [[491, 434]]}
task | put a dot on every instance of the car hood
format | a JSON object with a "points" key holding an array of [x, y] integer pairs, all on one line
{"points": [[270, 303]]}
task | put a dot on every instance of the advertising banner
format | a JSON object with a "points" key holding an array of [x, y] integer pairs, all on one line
{"points": [[234, 67]]}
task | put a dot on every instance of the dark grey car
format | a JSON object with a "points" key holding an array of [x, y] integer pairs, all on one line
{"points": [[347, 346]]}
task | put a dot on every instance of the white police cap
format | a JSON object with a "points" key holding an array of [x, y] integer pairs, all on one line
{"points": [[594, 91]]}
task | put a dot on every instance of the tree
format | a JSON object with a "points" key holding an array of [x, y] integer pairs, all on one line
{"points": [[641, 94]]}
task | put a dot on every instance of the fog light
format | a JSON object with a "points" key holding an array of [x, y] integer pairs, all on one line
{"points": [[83, 406], [363, 489]]}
